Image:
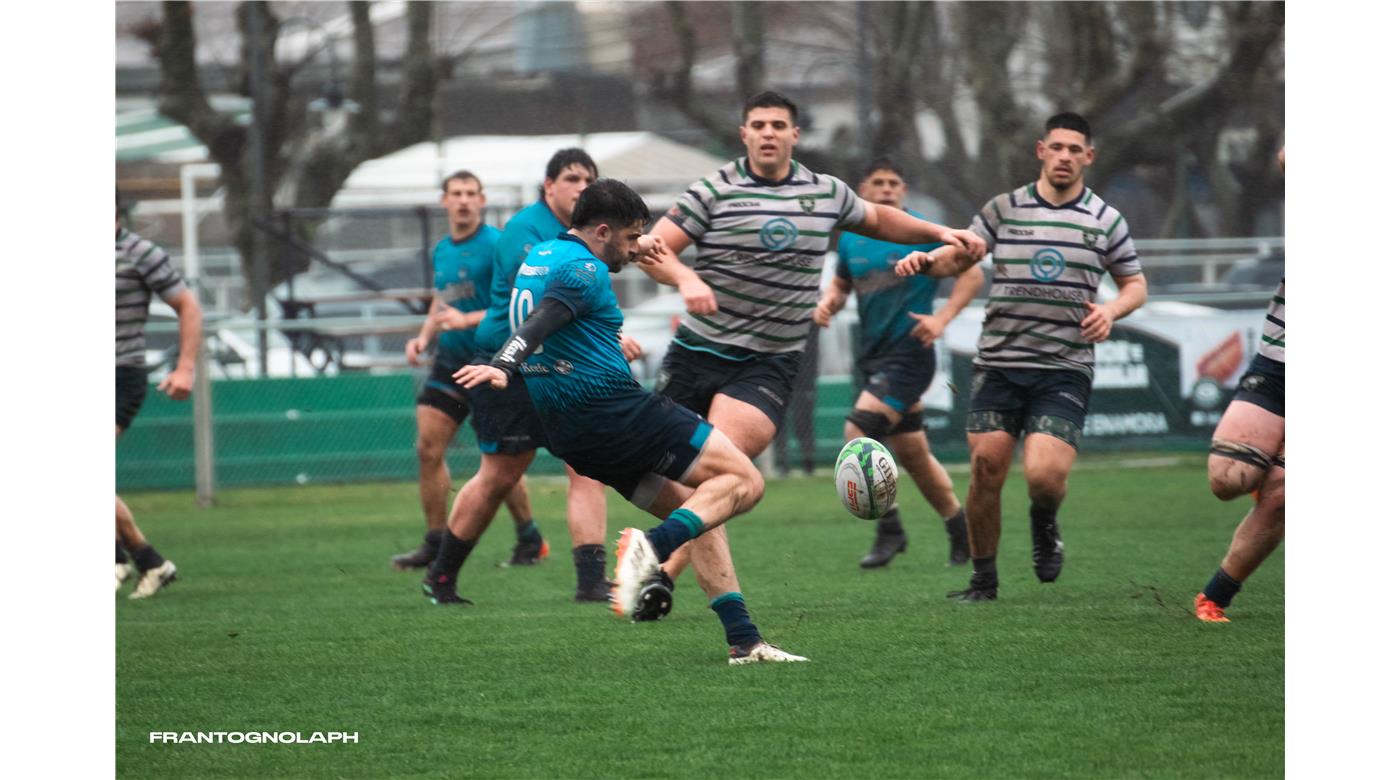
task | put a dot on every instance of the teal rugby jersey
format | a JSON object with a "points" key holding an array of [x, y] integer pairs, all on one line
{"points": [[759, 246], [1048, 263], [462, 277], [582, 361], [532, 225], [1271, 340], [884, 300]]}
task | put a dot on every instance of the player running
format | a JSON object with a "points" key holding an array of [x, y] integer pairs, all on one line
{"points": [[1246, 456], [898, 328], [462, 277], [143, 270], [507, 429], [601, 422], [1052, 240], [761, 225]]}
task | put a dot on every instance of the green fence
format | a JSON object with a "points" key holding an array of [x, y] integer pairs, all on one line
{"points": [[357, 428]]}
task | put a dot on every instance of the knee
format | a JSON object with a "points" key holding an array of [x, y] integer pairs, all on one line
{"points": [[989, 470], [1046, 486], [429, 452], [751, 486], [1230, 479]]}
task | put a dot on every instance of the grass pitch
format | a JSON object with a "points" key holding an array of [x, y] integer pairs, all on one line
{"points": [[286, 617]]}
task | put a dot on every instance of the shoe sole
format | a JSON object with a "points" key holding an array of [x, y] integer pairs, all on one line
{"points": [[624, 544]]}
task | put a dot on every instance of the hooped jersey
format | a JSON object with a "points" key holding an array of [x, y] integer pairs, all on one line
{"points": [[1049, 261], [1271, 340], [883, 299], [530, 226], [583, 360], [462, 278], [760, 246]]}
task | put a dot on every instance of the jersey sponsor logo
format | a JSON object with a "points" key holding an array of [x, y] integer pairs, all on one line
{"points": [[534, 270], [1020, 231], [745, 204], [1047, 265], [778, 233], [563, 367], [1048, 293]]}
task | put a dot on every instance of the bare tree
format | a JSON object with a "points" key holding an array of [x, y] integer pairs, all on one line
{"points": [[305, 165]]}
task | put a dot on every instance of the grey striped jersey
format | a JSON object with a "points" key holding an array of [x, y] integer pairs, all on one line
{"points": [[760, 246], [1271, 340], [1049, 261], [143, 269]]}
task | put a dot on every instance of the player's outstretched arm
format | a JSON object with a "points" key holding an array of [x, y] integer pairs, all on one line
{"points": [[946, 260], [897, 226], [670, 271], [1098, 324], [546, 320], [833, 300]]}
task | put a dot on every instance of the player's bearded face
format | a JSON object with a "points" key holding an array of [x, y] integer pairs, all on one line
{"points": [[769, 135], [1064, 154], [620, 246]]}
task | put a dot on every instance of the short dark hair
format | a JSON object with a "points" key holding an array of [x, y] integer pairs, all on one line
{"points": [[882, 164], [769, 99], [566, 157], [611, 202], [1069, 121], [464, 175]]}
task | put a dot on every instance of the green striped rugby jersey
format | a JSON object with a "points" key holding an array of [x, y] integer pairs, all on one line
{"points": [[760, 246], [1048, 263], [143, 269], [1271, 340]]}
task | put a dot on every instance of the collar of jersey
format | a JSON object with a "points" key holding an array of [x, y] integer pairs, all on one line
{"points": [[1083, 198], [567, 236], [748, 171], [474, 234]]}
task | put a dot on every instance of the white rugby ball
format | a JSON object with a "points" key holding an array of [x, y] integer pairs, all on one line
{"points": [[866, 478]]}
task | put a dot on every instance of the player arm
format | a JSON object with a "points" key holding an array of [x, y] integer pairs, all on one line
{"points": [[833, 300], [670, 271], [1132, 293], [967, 286], [547, 319], [897, 226], [947, 260], [191, 317]]}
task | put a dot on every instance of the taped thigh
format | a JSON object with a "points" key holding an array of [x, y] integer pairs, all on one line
{"points": [[911, 422], [1059, 427], [1244, 453], [871, 423]]}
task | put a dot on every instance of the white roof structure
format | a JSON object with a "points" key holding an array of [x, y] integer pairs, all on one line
{"points": [[511, 167]]}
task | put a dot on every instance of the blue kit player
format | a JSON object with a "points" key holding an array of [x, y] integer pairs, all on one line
{"points": [[896, 361], [462, 280], [661, 456], [507, 429]]}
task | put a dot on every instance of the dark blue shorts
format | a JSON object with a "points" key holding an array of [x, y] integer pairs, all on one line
{"points": [[1262, 385], [505, 420], [692, 379], [131, 392], [632, 441], [898, 377], [442, 392], [1029, 400]]}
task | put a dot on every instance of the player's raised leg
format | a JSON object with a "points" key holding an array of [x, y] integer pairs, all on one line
{"points": [[471, 515]]}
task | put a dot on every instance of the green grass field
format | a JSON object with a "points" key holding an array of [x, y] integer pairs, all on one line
{"points": [[286, 617]]}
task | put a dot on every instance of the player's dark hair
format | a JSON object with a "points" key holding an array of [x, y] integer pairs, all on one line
{"points": [[566, 157], [882, 164], [769, 99], [1069, 121], [611, 202], [463, 175]]}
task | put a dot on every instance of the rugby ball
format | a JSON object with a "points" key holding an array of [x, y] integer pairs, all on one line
{"points": [[866, 478]]}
